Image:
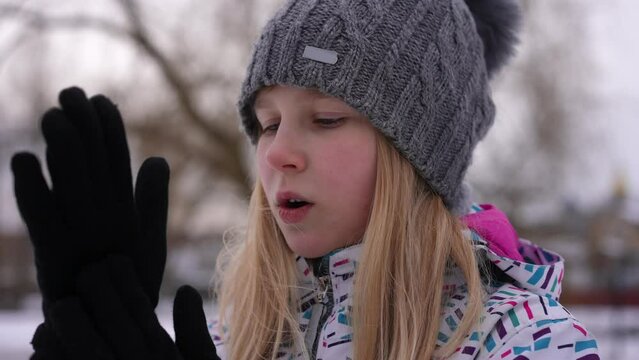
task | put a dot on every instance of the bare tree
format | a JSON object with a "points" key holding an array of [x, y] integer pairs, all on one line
{"points": [[199, 140]]}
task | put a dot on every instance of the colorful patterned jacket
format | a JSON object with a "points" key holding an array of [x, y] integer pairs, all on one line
{"points": [[522, 317]]}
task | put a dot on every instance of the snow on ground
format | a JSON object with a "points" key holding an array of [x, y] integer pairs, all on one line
{"points": [[17, 327]]}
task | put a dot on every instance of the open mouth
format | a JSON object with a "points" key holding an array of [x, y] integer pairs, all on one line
{"points": [[294, 211], [295, 204], [293, 207]]}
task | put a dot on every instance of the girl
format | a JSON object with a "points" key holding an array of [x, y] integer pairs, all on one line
{"points": [[361, 241]]}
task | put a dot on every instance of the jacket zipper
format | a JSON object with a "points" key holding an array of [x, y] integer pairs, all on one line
{"points": [[324, 298]]}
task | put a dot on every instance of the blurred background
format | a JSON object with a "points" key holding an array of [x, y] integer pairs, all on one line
{"points": [[561, 159]]}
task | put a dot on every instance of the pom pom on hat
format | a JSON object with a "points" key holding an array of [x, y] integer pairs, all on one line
{"points": [[498, 23]]}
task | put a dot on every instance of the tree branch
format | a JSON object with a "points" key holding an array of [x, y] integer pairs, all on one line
{"points": [[40, 20], [176, 81], [229, 158], [212, 155]]}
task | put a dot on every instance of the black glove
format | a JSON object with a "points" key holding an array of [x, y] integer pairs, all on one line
{"points": [[91, 210], [91, 213], [122, 323], [90, 221]]}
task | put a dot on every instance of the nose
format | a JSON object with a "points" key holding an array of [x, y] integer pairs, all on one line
{"points": [[286, 151]]}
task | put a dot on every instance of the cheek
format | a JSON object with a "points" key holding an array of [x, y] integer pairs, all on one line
{"points": [[351, 171], [263, 169]]}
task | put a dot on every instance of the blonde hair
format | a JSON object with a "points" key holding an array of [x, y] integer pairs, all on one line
{"points": [[410, 241]]}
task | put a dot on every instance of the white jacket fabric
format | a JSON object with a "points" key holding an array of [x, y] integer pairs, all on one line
{"points": [[522, 318]]}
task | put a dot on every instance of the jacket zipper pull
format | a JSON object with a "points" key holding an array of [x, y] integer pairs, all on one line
{"points": [[323, 287]]}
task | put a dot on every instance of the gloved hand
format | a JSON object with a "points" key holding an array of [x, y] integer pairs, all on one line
{"points": [[88, 230], [90, 211], [112, 318], [124, 317]]}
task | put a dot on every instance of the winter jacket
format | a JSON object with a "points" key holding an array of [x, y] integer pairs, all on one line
{"points": [[522, 318]]}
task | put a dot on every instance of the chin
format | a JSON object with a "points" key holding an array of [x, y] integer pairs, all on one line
{"points": [[306, 251]]}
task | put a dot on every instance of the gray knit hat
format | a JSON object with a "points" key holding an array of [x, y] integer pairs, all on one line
{"points": [[418, 69]]}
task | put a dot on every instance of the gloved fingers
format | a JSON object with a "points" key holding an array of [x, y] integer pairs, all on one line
{"points": [[112, 320], [71, 186], [117, 150], [146, 244], [191, 332], [33, 197], [36, 205], [140, 309], [46, 344], [83, 117], [76, 332], [113, 222], [148, 252], [124, 218]]}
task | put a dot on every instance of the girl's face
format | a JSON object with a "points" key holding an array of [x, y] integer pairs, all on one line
{"points": [[324, 151]]}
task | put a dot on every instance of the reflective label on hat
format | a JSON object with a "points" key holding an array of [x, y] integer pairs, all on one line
{"points": [[321, 55]]}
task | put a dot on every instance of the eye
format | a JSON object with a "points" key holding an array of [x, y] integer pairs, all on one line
{"points": [[330, 122], [269, 129]]}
